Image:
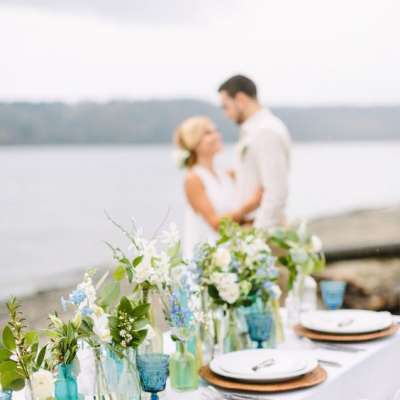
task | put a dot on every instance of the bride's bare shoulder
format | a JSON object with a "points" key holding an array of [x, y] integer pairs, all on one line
{"points": [[192, 181]]}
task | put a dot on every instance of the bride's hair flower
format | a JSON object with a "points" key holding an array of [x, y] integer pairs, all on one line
{"points": [[181, 156]]}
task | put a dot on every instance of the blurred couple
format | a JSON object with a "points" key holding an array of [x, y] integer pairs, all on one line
{"points": [[255, 190]]}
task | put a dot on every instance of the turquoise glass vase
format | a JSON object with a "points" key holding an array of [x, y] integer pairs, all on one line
{"points": [[183, 369], [66, 387]]}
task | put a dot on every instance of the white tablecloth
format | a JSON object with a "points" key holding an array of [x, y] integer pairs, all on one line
{"points": [[373, 374]]}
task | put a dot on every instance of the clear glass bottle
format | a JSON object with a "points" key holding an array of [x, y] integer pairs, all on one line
{"points": [[183, 370], [232, 339]]}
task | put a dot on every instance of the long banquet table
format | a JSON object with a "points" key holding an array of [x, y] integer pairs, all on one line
{"points": [[373, 374]]}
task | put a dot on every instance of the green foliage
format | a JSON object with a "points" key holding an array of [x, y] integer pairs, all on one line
{"points": [[109, 295], [127, 324], [64, 338], [19, 350]]}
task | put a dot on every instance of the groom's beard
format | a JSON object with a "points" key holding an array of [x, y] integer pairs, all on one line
{"points": [[240, 118]]}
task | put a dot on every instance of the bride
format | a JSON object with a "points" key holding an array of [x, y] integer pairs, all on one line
{"points": [[210, 192]]}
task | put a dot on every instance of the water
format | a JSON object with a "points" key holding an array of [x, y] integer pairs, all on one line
{"points": [[52, 199]]}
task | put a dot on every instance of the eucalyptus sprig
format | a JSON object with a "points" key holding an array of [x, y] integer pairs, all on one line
{"points": [[20, 356]]}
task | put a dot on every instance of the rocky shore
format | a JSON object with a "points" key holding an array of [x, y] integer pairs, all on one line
{"points": [[373, 282]]}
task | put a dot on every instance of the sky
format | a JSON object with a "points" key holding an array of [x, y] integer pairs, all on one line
{"points": [[299, 52]]}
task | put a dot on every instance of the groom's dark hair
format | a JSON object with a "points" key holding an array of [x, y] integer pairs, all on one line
{"points": [[239, 83]]}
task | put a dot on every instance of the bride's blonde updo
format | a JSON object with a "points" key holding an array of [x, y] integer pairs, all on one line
{"points": [[188, 136]]}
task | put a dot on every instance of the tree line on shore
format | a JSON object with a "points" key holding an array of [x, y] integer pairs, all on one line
{"points": [[153, 121]]}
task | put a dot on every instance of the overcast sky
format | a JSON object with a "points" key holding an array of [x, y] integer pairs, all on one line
{"points": [[298, 51]]}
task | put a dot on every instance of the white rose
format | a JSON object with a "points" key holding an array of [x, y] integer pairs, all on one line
{"points": [[42, 385], [222, 258], [101, 328], [229, 293], [316, 243], [228, 279]]}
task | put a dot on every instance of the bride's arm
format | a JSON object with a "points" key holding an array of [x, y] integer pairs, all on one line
{"points": [[200, 202]]}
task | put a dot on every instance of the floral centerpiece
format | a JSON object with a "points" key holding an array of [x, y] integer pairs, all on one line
{"points": [[301, 253], [148, 266], [236, 271]]}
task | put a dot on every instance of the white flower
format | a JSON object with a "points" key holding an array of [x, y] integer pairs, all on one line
{"points": [[180, 157], [150, 334], [222, 258], [42, 385], [316, 244], [229, 293], [302, 231], [298, 255], [143, 271], [275, 292], [101, 327], [171, 236]]}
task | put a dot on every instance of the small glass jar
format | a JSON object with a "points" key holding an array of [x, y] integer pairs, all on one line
{"points": [[183, 369]]}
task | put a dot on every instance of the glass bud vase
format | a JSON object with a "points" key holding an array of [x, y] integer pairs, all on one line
{"points": [[66, 387], [5, 394], [154, 339], [128, 383], [302, 297], [102, 387], [183, 370], [232, 339]]}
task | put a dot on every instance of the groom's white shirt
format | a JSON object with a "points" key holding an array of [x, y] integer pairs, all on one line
{"points": [[263, 159]]}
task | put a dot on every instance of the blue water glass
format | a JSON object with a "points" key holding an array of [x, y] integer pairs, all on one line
{"points": [[153, 372], [259, 325], [333, 293], [5, 394]]}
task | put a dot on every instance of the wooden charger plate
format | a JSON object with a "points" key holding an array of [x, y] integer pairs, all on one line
{"points": [[329, 337], [315, 377]]}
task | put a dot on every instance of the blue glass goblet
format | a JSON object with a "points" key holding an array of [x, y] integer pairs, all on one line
{"points": [[153, 372], [333, 293], [259, 325]]}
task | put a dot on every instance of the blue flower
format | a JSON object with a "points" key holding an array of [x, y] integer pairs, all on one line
{"points": [[273, 272], [64, 303], [181, 315], [86, 311], [77, 296]]}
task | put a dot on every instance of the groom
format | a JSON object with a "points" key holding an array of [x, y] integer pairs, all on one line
{"points": [[263, 151]]}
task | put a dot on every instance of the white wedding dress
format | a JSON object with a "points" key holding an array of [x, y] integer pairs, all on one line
{"points": [[220, 189]]}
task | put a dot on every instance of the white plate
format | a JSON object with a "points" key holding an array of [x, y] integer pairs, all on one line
{"points": [[346, 321], [288, 364]]}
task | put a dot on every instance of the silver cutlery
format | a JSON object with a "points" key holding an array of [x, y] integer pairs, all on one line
{"points": [[211, 393], [344, 323], [329, 363], [333, 346], [264, 364]]}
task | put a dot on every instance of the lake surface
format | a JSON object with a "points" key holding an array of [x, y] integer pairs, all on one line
{"points": [[52, 199]]}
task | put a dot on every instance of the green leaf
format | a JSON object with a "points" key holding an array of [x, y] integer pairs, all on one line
{"points": [[109, 294], [141, 311], [12, 380], [8, 365], [5, 354], [125, 305], [137, 261], [41, 356], [31, 338], [119, 273], [8, 338]]}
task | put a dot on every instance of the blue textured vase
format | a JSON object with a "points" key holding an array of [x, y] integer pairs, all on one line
{"points": [[66, 387], [5, 394]]}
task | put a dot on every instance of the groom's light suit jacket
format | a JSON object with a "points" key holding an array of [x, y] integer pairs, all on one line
{"points": [[263, 159]]}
